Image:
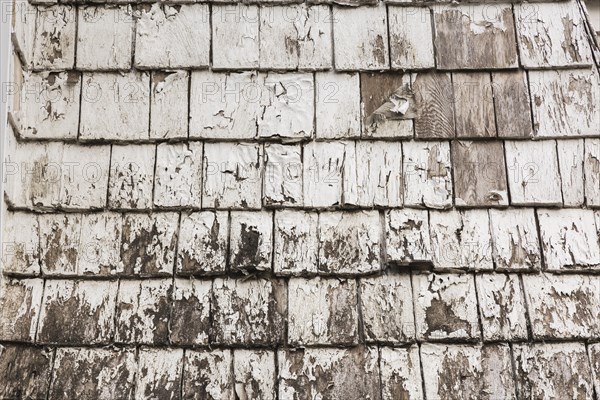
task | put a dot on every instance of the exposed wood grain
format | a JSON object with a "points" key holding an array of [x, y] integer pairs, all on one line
{"points": [[131, 176], [349, 242], [475, 37], [54, 44], [387, 104], [534, 176], [445, 308], [552, 298], [427, 174], [474, 105], [296, 242], [479, 174], [570, 162], [387, 308], [314, 309], [178, 178], [565, 102], [250, 241], [400, 373], [19, 308], [434, 100], [501, 305], [142, 312], [552, 35], [47, 105], [411, 37], [512, 104]]}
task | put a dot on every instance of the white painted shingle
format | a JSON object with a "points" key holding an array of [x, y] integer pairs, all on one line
{"points": [[235, 36], [361, 39], [295, 37], [173, 36], [105, 37]]}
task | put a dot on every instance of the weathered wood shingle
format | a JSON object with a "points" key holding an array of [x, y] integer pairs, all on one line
{"points": [[475, 37], [552, 35]]}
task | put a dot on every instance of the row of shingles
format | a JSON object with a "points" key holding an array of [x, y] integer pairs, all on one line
{"points": [[142, 373], [559, 96], [331, 174], [297, 106], [349, 245], [360, 372], [176, 105], [298, 243], [319, 370], [300, 37]]}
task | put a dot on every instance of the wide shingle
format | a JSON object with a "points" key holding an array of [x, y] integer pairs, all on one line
{"points": [[475, 37], [534, 363], [468, 372]]}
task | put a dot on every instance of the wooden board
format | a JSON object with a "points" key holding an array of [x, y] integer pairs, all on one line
{"points": [[534, 177], [565, 102], [479, 174], [387, 103], [592, 173], [474, 105], [552, 35], [475, 37], [427, 174], [515, 239], [295, 37], [570, 162], [411, 38], [512, 104], [361, 39], [434, 101]]}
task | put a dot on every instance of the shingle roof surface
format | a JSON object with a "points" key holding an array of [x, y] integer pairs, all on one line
{"points": [[333, 200]]}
